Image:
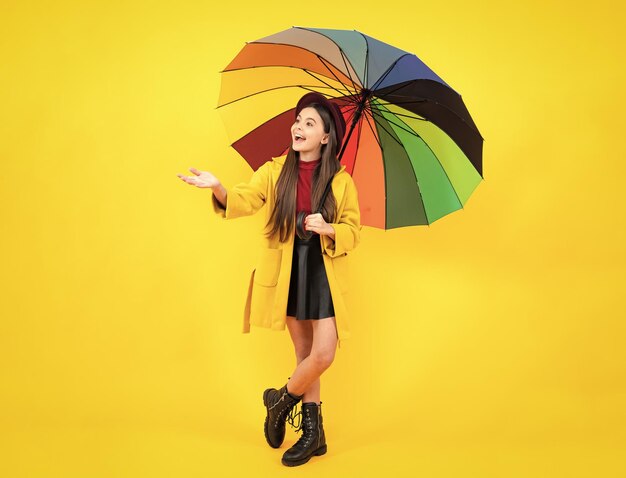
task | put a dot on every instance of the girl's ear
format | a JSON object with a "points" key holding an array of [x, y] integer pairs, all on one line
{"points": [[325, 138]]}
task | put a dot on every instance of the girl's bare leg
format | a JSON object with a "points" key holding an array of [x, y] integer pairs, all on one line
{"points": [[321, 356], [301, 332]]}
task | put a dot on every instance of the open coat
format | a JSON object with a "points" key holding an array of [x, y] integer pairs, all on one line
{"points": [[268, 290]]}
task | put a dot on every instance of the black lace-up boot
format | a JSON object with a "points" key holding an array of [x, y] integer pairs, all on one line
{"points": [[280, 405], [313, 440]]}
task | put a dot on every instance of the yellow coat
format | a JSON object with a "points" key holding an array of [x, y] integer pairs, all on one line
{"points": [[268, 291]]}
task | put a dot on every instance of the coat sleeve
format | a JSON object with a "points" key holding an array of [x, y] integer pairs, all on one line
{"points": [[244, 199], [348, 228]]}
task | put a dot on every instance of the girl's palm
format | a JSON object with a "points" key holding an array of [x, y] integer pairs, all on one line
{"points": [[202, 179]]}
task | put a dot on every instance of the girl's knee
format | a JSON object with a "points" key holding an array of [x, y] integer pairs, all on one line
{"points": [[323, 358]]}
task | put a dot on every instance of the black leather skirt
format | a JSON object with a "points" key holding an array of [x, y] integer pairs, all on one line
{"points": [[309, 292]]}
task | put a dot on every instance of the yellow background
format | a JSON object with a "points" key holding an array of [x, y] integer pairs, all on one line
{"points": [[490, 344]]}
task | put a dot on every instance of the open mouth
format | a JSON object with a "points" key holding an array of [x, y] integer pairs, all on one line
{"points": [[297, 138]]}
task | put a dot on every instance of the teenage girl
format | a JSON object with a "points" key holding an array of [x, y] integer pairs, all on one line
{"points": [[316, 137]]}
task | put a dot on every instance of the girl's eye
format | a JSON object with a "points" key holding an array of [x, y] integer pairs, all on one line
{"points": [[308, 124]]}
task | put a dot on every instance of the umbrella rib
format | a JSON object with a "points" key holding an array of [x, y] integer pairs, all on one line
{"points": [[438, 161], [343, 55], [265, 91], [358, 139], [283, 66], [405, 115], [327, 94], [332, 87], [401, 85], [396, 124], [425, 100], [373, 132], [393, 136], [326, 63], [347, 98], [380, 145], [352, 110], [422, 100], [391, 67], [323, 62], [379, 123], [367, 58]]}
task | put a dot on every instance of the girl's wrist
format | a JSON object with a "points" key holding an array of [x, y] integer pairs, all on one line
{"points": [[220, 194], [331, 234]]}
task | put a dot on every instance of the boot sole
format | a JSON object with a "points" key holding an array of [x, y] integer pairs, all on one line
{"points": [[265, 426], [320, 451]]}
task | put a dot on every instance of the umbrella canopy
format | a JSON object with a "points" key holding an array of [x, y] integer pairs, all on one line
{"points": [[411, 145]]}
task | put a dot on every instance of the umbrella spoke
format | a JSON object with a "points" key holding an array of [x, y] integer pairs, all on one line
{"points": [[380, 124], [384, 75], [312, 52], [330, 86], [351, 113], [374, 132], [355, 88], [425, 100], [407, 129], [413, 100], [307, 87], [386, 93], [431, 151], [343, 57], [419, 118]]}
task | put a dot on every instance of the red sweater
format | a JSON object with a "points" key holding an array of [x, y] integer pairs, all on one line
{"points": [[305, 180]]}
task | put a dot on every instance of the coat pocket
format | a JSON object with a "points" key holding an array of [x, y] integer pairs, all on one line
{"points": [[268, 267], [341, 268]]}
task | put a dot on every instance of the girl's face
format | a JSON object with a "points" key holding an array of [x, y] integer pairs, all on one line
{"points": [[307, 132]]}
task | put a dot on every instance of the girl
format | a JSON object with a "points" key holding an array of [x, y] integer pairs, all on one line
{"points": [[304, 287]]}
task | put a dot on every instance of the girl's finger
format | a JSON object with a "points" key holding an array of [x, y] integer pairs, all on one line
{"points": [[195, 171]]}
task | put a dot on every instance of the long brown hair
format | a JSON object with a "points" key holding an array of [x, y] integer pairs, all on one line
{"points": [[283, 216]]}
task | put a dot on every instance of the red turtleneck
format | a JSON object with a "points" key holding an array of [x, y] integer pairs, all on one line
{"points": [[305, 181]]}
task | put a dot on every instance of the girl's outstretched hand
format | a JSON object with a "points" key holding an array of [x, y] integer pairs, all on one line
{"points": [[202, 179], [316, 223]]}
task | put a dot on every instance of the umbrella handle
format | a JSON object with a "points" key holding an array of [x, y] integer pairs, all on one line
{"points": [[303, 233]]}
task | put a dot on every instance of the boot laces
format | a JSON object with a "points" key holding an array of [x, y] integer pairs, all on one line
{"points": [[291, 418], [307, 434]]}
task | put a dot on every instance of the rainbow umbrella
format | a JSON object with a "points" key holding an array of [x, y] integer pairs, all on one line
{"points": [[411, 145]]}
